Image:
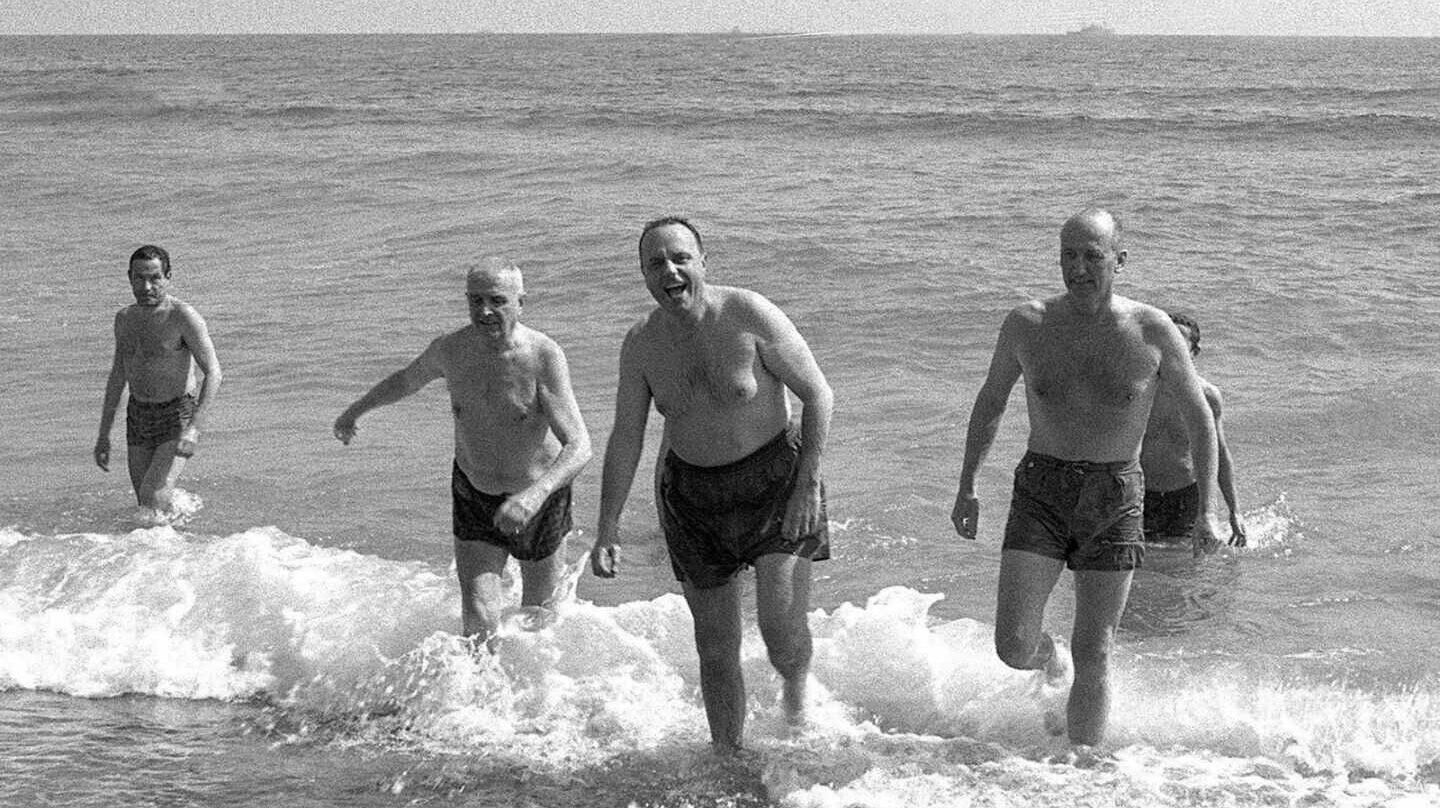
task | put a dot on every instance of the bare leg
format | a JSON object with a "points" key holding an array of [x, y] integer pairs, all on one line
{"points": [[1026, 580], [1099, 601], [540, 578], [716, 613], [158, 486], [479, 566], [137, 459], [782, 594]]}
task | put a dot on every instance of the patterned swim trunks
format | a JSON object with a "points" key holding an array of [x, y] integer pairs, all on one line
{"points": [[149, 424]]}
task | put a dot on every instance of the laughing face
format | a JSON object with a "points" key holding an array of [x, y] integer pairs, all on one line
{"points": [[674, 268]]}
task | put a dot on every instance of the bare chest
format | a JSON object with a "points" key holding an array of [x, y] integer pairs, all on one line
{"points": [[717, 371], [152, 337], [494, 392], [1085, 370]]}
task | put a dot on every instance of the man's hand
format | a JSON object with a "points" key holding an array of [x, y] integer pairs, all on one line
{"points": [[188, 438], [802, 512], [966, 515], [102, 452], [345, 428], [516, 512], [1237, 531], [603, 557], [1203, 541]]}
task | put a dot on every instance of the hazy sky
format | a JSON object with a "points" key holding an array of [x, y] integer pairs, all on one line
{"points": [[1284, 17]]}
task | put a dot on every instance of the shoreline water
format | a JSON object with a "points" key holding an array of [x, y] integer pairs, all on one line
{"points": [[895, 196]]}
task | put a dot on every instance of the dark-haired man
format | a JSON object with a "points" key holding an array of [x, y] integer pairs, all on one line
{"points": [[159, 342], [737, 485], [1172, 494]]}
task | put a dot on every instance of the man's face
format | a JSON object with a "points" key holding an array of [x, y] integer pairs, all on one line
{"points": [[673, 266], [1088, 259], [495, 300], [148, 281]]}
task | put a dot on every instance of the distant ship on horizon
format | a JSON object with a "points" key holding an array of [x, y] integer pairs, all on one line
{"points": [[1093, 29]]}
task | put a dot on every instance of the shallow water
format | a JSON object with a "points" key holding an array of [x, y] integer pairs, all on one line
{"points": [[292, 640]]}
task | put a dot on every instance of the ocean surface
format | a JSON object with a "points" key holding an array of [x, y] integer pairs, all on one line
{"points": [[291, 641]]}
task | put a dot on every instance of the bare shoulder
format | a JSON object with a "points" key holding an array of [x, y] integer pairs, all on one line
{"points": [[188, 314], [1026, 317], [1155, 325], [1212, 394], [539, 345], [751, 311]]}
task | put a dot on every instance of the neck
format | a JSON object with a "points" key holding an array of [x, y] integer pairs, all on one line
{"points": [[1089, 307]]}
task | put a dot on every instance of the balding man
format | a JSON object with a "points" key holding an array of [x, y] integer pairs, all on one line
{"points": [[1093, 362], [519, 442], [739, 485]]}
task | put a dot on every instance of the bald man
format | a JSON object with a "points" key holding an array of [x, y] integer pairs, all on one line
{"points": [[519, 442], [1093, 362]]}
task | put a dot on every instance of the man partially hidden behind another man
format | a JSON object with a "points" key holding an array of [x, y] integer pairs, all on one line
{"points": [[1172, 493], [738, 486], [159, 342], [1093, 363], [519, 442]]}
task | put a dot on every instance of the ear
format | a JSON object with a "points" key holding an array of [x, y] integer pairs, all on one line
{"points": [[1120, 256]]}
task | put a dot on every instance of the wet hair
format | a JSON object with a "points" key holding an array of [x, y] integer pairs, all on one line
{"points": [[669, 220], [1189, 322], [151, 253]]}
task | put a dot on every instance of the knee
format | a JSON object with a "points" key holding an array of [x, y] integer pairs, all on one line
{"points": [[1092, 654], [791, 655], [1018, 649]]}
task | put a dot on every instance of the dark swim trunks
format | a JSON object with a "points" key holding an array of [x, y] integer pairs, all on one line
{"points": [[1085, 514], [1171, 514], [153, 423], [720, 519], [473, 519]]}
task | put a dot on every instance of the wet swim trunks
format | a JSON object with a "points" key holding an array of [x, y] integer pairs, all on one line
{"points": [[153, 423], [473, 519], [1171, 514], [720, 519], [1086, 514]]}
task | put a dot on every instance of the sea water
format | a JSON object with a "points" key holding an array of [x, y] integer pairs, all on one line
{"points": [[292, 640]]}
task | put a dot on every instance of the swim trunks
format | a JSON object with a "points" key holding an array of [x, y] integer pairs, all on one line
{"points": [[1085, 514], [153, 423], [719, 519], [473, 519], [1171, 514]]}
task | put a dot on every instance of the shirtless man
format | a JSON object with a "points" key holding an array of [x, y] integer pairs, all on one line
{"points": [[159, 341], [1093, 362], [1172, 498], [737, 485], [519, 442]]}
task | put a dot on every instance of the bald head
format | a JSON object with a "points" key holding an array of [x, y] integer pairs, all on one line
{"points": [[1097, 222]]}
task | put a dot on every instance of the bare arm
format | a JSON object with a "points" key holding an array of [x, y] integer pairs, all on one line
{"points": [[202, 350], [1225, 470], [114, 389], [558, 399], [622, 455], [1179, 380], [407, 381], [786, 354], [985, 417]]}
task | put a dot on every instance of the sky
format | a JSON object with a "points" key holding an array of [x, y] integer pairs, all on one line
{"points": [[1224, 17]]}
